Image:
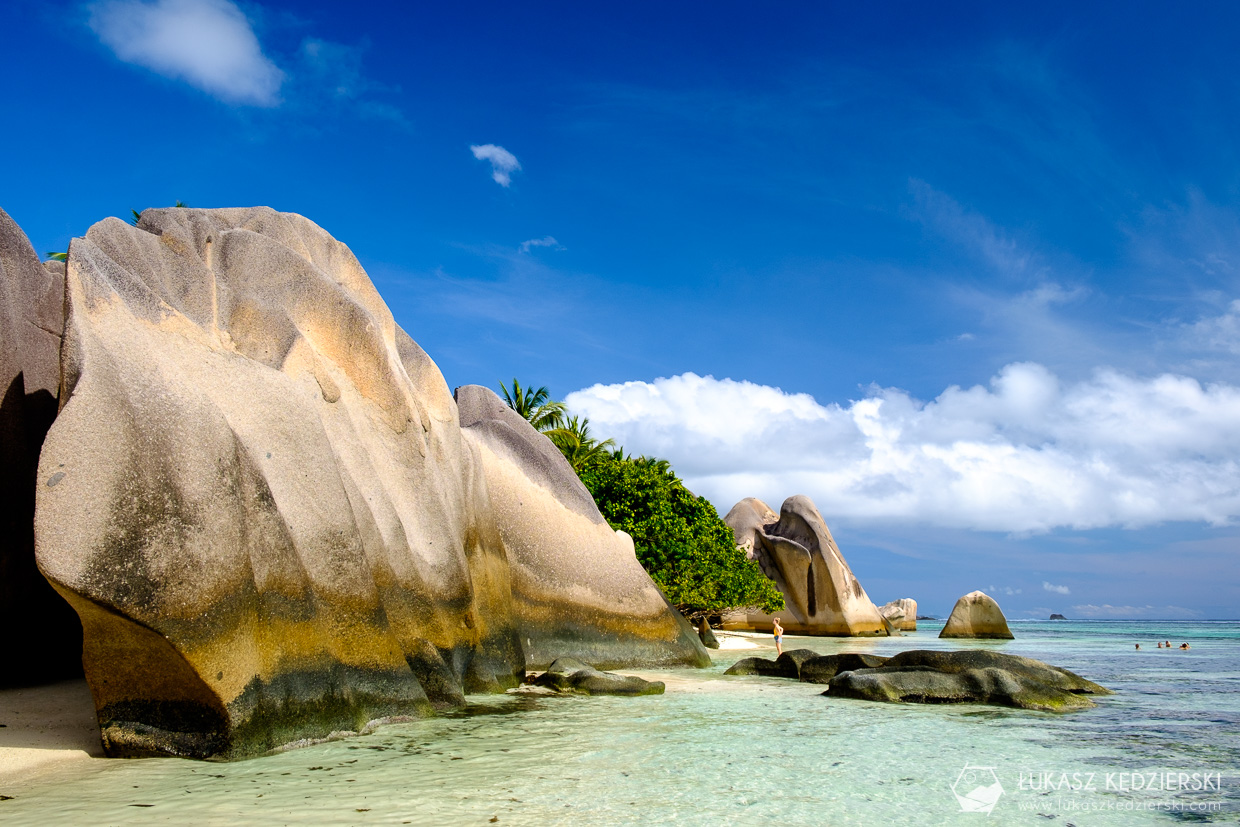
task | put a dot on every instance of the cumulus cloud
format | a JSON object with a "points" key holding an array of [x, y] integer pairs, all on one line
{"points": [[545, 241], [1051, 587], [1025, 454], [207, 43], [503, 162]]}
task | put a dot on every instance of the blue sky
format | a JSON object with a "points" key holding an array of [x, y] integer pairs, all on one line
{"points": [[963, 273]]}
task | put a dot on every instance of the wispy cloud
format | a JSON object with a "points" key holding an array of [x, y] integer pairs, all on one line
{"points": [[503, 162], [1051, 587], [1005, 590], [545, 241], [1027, 454], [209, 44]]}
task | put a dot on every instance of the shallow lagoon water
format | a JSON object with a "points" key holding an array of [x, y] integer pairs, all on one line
{"points": [[717, 750]]}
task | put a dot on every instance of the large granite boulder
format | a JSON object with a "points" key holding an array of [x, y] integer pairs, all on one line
{"points": [[977, 615], [259, 498], [39, 632], [796, 550], [576, 583], [968, 677], [902, 614], [571, 675]]}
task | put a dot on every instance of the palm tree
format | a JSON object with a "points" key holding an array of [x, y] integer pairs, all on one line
{"points": [[535, 406], [578, 445]]}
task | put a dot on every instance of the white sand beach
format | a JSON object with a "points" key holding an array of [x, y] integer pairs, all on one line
{"points": [[42, 727]]}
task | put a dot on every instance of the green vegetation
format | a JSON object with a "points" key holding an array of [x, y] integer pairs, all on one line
{"points": [[679, 537]]}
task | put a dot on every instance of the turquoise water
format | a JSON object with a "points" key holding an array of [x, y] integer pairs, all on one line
{"points": [[725, 750]]}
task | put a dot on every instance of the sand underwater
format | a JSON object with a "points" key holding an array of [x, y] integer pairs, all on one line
{"points": [[1164, 749]]}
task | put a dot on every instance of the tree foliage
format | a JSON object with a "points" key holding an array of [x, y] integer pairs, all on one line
{"points": [[680, 540], [535, 406]]}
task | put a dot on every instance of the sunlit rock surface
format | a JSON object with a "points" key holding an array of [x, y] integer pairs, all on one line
{"points": [[977, 615], [258, 497], [796, 550], [576, 583], [901, 613]]}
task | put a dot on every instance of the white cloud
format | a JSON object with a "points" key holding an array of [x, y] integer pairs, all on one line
{"points": [[1220, 332], [207, 43], [1008, 590], [503, 162], [1026, 454], [545, 241], [1050, 587]]}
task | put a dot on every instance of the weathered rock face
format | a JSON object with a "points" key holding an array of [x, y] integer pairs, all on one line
{"points": [[571, 675], [825, 667], [576, 583], [977, 615], [259, 499], [901, 613], [797, 551], [39, 633], [968, 677], [706, 634]]}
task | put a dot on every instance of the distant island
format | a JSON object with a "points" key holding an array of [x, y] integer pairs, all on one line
{"points": [[1058, 617]]}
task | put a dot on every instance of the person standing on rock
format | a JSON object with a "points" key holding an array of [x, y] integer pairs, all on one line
{"points": [[778, 631]]}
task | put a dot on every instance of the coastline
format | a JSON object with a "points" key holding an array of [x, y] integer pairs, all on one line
{"points": [[44, 728]]}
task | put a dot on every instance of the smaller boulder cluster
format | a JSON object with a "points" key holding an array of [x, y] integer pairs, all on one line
{"points": [[923, 676], [571, 675]]}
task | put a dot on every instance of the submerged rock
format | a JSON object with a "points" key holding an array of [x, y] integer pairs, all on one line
{"points": [[977, 615], [571, 675], [796, 550], [272, 517], [968, 677], [787, 665], [823, 668]]}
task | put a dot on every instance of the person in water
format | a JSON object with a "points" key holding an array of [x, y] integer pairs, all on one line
{"points": [[1138, 645], [1183, 645], [778, 631]]}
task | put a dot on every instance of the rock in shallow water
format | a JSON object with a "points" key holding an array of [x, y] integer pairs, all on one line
{"points": [[571, 675], [968, 677], [977, 615]]}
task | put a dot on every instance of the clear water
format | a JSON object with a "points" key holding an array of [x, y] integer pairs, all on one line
{"points": [[723, 750]]}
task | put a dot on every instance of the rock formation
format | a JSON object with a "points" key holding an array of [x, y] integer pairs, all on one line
{"points": [[598, 604], [41, 636], [977, 615], [272, 518], [825, 667], [571, 675], [706, 634], [795, 549], [901, 613], [967, 677]]}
